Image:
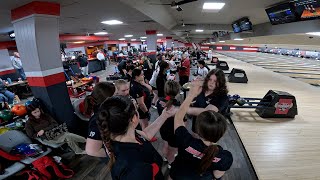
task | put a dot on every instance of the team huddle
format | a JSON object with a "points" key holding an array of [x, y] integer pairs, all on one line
{"points": [[120, 127]]}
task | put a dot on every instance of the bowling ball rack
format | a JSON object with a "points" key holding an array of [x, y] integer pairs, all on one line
{"points": [[275, 104]]}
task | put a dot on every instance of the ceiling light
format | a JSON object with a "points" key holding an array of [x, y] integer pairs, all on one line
{"points": [[314, 33], [159, 34], [100, 33], [222, 41], [78, 42], [238, 39], [213, 5], [128, 35], [122, 39], [133, 39], [143, 40], [143, 37], [199, 30], [112, 22]]}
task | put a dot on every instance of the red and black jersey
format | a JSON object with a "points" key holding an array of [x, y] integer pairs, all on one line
{"points": [[136, 161]]}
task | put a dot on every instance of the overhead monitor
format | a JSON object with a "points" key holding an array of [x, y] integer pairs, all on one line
{"points": [[243, 24], [293, 11], [307, 9]]}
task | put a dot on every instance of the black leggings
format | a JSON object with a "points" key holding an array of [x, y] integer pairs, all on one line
{"points": [[183, 80]]}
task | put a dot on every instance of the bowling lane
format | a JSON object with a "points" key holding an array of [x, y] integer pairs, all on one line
{"points": [[302, 69], [278, 148]]}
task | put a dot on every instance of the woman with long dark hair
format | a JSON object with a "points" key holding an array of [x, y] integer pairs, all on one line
{"points": [[171, 90], [132, 156], [214, 95], [162, 78], [40, 122], [100, 92], [200, 158], [141, 92]]}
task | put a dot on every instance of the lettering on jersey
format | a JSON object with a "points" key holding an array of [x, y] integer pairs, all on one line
{"points": [[199, 155], [91, 134]]}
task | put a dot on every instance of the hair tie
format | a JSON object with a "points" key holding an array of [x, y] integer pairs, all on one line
{"points": [[213, 144], [168, 98]]}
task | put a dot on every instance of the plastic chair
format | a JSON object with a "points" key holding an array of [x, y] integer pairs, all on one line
{"points": [[75, 105], [73, 95], [53, 145], [11, 170], [13, 138]]}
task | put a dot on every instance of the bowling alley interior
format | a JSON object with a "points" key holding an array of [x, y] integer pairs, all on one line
{"points": [[159, 89]]}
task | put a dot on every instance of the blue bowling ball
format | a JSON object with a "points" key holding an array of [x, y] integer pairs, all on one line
{"points": [[236, 96]]}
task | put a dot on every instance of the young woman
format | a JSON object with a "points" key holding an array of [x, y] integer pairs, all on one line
{"points": [[132, 156], [171, 90], [202, 69], [213, 95], [100, 92], [173, 65], [140, 91], [147, 68], [200, 158], [40, 122], [162, 78]]}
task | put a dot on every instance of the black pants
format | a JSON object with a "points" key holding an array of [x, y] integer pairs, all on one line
{"points": [[183, 80]]}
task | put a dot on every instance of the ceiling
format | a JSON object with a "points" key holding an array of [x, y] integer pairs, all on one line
{"points": [[83, 16]]}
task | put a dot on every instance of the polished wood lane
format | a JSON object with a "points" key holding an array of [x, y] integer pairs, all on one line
{"points": [[278, 148]]}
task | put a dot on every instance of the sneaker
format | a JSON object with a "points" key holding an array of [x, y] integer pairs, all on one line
{"points": [[154, 107]]}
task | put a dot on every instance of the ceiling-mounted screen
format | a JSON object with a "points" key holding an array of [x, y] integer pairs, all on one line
{"points": [[236, 27], [282, 13], [243, 24], [292, 11], [307, 9]]}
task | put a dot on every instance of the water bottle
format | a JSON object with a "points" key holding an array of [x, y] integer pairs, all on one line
{"points": [[9, 80]]}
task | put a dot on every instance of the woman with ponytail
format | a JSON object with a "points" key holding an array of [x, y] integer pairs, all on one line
{"points": [[132, 156], [200, 158], [171, 89], [100, 92]]}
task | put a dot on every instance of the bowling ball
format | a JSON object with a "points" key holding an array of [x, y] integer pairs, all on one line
{"points": [[4, 130], [28, 103], [236, 96], [241, 101], [19, 110], [25, 149], [232, 101], [6, 115], [36, 102]]}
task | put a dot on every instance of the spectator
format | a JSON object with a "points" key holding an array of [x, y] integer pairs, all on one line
{"points": [[83, 63], [17, 64]]}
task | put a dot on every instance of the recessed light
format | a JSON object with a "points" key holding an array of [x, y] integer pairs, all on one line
{"points": [[143, 37], [78, 42], [222, 41], [122, 39], [159, 34], [238, 39], [100, 33], [213, 6], [133, 39], [128, 35], [143, 40], [314, 33], [112, 22], [199, 30]]}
